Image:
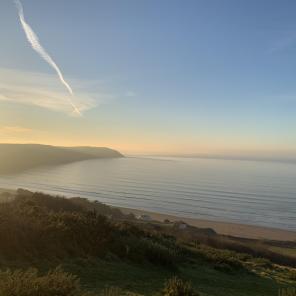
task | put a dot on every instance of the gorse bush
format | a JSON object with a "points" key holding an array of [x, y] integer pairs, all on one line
{"points": [[29, 230], [29, 283], [252, 249], [177, 287], [261, 262], [36, 225], [223, 260], [59, 283], [292, 275], [157, 253]]}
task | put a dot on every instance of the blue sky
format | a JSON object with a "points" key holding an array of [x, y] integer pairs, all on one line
{"points": [[158, 76]]}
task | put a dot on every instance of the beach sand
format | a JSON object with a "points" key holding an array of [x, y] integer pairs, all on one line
{"points": [[226, 228]]}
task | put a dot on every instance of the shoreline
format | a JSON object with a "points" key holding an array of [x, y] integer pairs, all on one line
{"points": [[224, 228]]}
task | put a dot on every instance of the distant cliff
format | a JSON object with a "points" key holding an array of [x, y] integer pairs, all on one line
{"points": [[18, 157]]}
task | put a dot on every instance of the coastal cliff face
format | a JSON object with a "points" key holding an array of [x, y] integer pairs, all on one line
{"points": [[15, 158]]}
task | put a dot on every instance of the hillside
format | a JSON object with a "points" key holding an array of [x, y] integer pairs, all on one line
{"points": [[114, 254], [97, 152], [18, 157]]}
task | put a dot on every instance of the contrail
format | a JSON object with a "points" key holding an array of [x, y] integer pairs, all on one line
{"points": [[34, 41]]}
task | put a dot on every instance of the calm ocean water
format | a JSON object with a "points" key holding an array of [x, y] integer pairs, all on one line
{"points": [[249, 192]]}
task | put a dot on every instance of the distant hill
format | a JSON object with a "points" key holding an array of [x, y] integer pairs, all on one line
{"points": [[18, 157], [97, 152]]}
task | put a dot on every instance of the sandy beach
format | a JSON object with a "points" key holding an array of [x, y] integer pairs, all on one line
{"points": [[233, 229]]}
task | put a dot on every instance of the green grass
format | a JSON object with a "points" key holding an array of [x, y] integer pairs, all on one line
{"points": [[285, 251], [215, 283], [96, 274], [105, 253], [147, 279]]}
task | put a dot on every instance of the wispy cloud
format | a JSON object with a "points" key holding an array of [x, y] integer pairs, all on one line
{"points": [[286, 41], [14, 129], [19, 134], [34, 41], [44, 91]]}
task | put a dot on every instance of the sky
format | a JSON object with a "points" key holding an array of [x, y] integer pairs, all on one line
{"points": [[159, 77]]}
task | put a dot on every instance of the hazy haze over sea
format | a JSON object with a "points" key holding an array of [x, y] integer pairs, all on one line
{"points": [[249, 192]]}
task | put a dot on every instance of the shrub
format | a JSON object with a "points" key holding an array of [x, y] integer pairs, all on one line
{"points": [[111, 291], [177, 287], [36, 225], [222, 259], [141, 247], [287, 291], [292, 275], [29, 283], [261, 262], [223, 267], [160, 254], [255, 250]]}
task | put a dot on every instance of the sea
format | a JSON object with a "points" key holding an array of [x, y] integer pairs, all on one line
{"points": [[261, 193]]}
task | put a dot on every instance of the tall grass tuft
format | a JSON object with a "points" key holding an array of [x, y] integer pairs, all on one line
{"points": [[111, 291], [287, 291], [29, 283], [177, 287]]}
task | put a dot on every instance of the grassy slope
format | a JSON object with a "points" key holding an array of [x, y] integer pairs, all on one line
{"points": [[99, 152], [285, 251], [147, 279], [204, 278]]}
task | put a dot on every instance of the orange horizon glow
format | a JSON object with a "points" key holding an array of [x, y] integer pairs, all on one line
{"points": [[164, 149]]}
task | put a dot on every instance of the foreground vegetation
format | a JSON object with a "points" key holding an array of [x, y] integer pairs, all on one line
{"points": [[56, 246]]}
